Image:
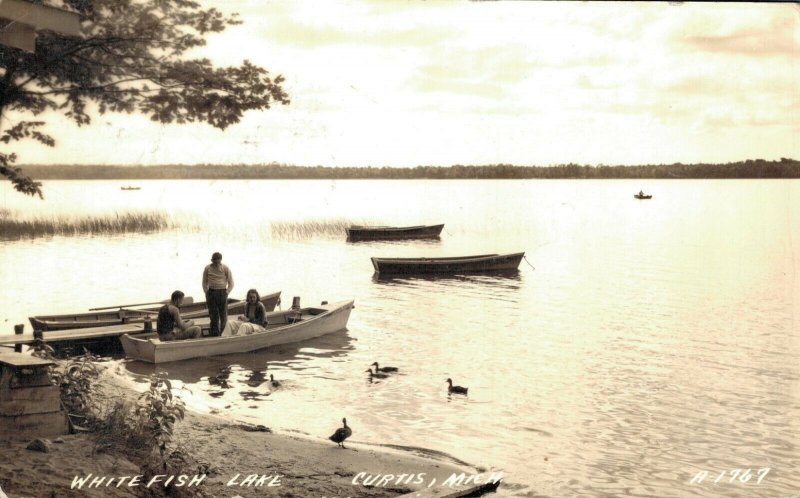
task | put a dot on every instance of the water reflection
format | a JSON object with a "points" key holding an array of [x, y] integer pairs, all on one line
{"points": [[429, 242], [500, 278]]}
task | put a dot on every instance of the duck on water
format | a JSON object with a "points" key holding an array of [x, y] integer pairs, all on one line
{"points": [[273, 382], [384, 369], [376, 374], [455, 389]]}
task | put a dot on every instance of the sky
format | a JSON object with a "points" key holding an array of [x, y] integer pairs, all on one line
{"points": [[408, 83]]}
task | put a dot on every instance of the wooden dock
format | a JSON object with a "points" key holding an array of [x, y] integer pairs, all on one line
{"points": [[74, 335]]}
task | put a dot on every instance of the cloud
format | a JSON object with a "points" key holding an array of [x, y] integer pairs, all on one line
{"points": [[313, 25], [776, 38]]}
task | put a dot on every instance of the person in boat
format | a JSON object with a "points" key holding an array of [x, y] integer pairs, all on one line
{"points": [[641, 193], [170, 326], [254, 318], [217, 285], [254, 310]]}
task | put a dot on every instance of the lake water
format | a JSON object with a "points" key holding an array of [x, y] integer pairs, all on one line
{"points": [[640, 343]]}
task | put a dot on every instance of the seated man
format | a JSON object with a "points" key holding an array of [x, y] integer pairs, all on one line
{"points": [[170, 326]]}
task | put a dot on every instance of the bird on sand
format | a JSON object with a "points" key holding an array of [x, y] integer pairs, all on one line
{"points": [[273, 382], [384, 369], [341, 434], [455, 389]]}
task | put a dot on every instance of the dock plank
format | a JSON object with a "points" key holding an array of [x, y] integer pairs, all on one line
{"points": [[90, 333], [74, 334], [19, 360]]}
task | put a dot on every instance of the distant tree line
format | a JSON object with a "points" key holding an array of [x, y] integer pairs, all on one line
{"points": [[758, 168]]}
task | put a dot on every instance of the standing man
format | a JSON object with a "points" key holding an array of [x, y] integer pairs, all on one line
{"points": [[217, 284]]}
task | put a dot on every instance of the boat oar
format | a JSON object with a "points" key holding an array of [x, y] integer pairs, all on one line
{"points": [[127, 305], [186, 300]]}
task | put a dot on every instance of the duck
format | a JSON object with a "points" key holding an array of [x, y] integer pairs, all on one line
{"points": [[341, 434], [384, 369], [273, 382], [376, 374], [456, 389]]}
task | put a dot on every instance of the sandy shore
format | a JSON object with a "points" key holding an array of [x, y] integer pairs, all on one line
{"points": [[230, 459]]}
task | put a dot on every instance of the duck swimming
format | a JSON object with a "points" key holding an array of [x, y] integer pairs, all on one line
{"points": [[384, 369], [273, 382], [341, 434], [456, 389], [376, 374]]}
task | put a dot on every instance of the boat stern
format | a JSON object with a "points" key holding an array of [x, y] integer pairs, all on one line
{"points": [[138, 348]]}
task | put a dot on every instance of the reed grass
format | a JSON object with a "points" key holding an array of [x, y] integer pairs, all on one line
{"points": [[307, 229], [16, 225]]}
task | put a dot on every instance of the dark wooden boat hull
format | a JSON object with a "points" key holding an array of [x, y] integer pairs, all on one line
{"points": [[125, 316], [355, 233], [643, 196], [484, 263]]}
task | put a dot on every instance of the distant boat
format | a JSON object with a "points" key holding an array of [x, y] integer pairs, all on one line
{"points": [[447, 266], [356, 232], [642, 196], [130, 188]]}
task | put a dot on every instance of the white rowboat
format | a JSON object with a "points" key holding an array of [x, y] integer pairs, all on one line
{"points": [[283, 327]]}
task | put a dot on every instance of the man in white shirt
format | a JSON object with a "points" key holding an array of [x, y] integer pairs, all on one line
{"points": [[217, 284]]}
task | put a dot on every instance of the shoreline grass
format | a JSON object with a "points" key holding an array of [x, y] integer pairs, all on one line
{"points": [[301, 230], [15, 225]]}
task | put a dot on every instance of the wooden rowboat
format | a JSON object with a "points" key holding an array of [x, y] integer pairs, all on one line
{"points": [[284, 327], [125, 315], [457, 265], [640, 196], [355, 233]]}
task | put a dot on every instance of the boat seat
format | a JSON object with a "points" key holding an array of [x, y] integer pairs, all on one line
{"points": [[277, 320], [284, 318]]}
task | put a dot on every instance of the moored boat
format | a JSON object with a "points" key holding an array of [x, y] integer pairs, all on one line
{"points": [[482, 263], [355, 232], [127, 315], [283, 327]]}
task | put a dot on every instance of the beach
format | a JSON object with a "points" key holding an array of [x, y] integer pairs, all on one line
{"points": [[216, 456]]}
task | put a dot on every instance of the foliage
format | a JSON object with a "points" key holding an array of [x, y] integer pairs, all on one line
{"points": [[132, 57], [15, 225], [75, 378], [306, 229], [146, 425], [758, 168], [159, 411]]}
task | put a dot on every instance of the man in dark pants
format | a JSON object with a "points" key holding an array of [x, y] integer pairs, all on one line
{"points": [[217, 284]]}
